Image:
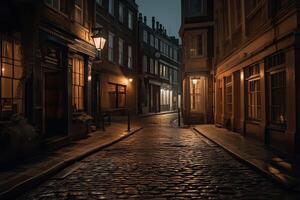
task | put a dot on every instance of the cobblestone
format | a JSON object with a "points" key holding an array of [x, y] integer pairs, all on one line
{"points": [[161, 163]]}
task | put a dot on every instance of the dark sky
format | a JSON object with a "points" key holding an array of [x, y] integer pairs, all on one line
{"points": [[167, 12]]}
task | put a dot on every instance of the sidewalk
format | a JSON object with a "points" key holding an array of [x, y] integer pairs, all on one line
{"points": [[33, 172], [254, 153]]}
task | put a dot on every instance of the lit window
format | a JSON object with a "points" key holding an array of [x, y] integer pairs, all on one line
{"points": [[111, 47], [78, 84], [10, 75], [79, 11], [129, 57], [121, 13], [111, 7], [121, 51]]}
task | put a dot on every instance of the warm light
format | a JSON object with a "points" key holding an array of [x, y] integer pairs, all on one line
{"points": [[195, 81], [89, 78], [3, 69], [99, 42], [242, 76], [98, 38], [130, 80]]}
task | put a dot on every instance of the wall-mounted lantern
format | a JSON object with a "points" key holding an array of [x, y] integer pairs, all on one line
{"points": [[98, 39]]}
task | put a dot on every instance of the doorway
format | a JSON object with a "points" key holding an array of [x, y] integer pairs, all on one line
{"points": [[55, 104]]}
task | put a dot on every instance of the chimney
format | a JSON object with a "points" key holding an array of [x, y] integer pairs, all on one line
{"points": [[140, 17], [160, 28], [157, 26], [153, 23], [145, 19]]}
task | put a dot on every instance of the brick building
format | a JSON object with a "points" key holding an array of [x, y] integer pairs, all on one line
{"points": [[159, 70]]}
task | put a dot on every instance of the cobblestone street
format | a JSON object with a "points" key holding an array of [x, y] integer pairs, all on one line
{"points": [[159, 162]]}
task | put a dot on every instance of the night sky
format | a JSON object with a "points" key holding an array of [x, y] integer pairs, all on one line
{"points": [[167, 12]]}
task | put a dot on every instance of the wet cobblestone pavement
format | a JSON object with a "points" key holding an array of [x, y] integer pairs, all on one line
{"points": [[160, 163]]}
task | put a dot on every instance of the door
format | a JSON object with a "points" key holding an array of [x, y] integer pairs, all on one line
{"points": [[198, 96], [55, 104]]}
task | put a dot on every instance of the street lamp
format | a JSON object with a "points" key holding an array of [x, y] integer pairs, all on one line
{"points": [[130, 80], [98, 39]]}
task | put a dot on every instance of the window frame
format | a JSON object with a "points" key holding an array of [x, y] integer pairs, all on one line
{"points": [[110, 46], [79, 86], [81, 9], [12, 63]]}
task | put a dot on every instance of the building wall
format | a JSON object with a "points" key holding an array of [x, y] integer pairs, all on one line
{"points": [[263, 39], [111, 71], [159, 68], [197, 52]]}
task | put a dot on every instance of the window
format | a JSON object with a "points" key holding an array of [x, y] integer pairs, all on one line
{"points": [[99, 2], [111, 47], [196, 8], [59, 5], [175, 54], [145, 63], [79, 11], [196, 45], [129, 57], [111, 7], [253, 92], [151, 66], [130, 20], [121, 51], [121, 13], [276, 82], [156, 43], [156, 70], [175, 76], [151, 40], [145, 36], [78, 84], [117, 95], [228, 95], [161, 46], [278, 95], [10, 76]]}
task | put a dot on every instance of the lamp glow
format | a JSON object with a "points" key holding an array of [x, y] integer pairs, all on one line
{"points": [[195, 81]]}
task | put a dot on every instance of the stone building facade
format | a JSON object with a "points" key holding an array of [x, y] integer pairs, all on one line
{"points": [[197, 61], [115, 74], [51, 72], [256, 85], [46, 59], [159, 68]]}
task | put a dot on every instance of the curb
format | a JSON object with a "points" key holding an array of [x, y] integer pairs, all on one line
{"points": [[288, 185], [156, 114], [24, 186]]}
